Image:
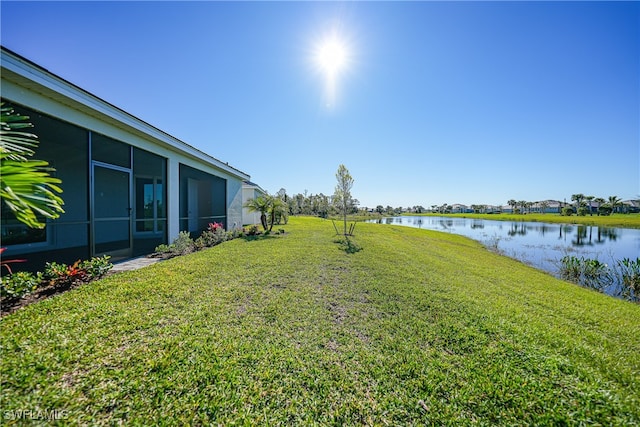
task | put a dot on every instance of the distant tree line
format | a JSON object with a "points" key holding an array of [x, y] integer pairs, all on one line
{"points": [[324, 206], [580, 205], [315, 204]]}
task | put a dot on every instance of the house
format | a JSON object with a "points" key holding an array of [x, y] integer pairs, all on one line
{"points": [[544, 206], [127, 185], [458, 208], [250, 191], [630, 206], [547, 206]]}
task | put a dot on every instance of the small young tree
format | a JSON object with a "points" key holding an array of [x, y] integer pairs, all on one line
{"points": [[342, 195]]}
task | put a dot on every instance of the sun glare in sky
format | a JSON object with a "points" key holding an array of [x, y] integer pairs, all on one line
{"points": [[331, 58], [332, 55]]}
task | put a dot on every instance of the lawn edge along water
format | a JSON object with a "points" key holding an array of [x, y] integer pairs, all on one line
{"points": [[418, 327], [615, 220]]}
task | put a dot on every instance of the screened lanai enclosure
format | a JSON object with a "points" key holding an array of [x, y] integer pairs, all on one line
{"points": [[114, 194], [127, 186]]}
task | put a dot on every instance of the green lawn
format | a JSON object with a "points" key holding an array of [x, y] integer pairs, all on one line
{"points": [[417, 328], [615, 220]]}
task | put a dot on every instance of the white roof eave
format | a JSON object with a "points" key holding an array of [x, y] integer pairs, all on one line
{"points": [[38, 79]]}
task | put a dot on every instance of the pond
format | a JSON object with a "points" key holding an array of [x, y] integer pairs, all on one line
{"points": [[541, 245]]}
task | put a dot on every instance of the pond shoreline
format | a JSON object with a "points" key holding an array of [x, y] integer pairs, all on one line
{"points": [[541, 245], [616, 220]]}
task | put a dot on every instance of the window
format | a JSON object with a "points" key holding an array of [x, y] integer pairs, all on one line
{"points": [[149, 193], [149, 198], [16, 233]]}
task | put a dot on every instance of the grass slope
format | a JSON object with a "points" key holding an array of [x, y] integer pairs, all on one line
{"points": [[615, 220], [418, 328]]}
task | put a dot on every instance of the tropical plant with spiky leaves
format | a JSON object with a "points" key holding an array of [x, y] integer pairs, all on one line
{"points": [[277, 209], [614, 202], [26, 186], [260, 204]]}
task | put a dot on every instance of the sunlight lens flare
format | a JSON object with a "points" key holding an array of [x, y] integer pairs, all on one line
{"points": [[331, 57]]}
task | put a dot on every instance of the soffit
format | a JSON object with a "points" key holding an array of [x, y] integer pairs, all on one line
{"points": [[37, 80]]}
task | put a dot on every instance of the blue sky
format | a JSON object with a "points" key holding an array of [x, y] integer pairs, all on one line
{"points": [[456, 102]]}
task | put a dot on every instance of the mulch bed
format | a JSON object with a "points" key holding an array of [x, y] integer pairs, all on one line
{"points": [[10, 305]]}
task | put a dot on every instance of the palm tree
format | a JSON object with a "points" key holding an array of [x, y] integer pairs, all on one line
{"points": [[614, 201], [578, 199], [522, 204], [601, 205], [543, 206], [26, 186], [277, 208], [260, 204], [513, 204], [589, 199]]}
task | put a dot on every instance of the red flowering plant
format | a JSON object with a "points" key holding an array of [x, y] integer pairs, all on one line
{"points": [[212, 236], [215, 226]]}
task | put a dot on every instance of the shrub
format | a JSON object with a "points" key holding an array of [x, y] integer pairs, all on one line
{"points": [[57, 277], [96, 267], [583, 211], [163, 249], [567, 211], [211, 237], [235, 233], [200, 243], [218, 236], [604, 210], [63, 274], [252, 231], [183, 244], [19, 284]]}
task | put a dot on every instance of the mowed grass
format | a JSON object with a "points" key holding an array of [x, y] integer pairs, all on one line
{"points": [[418, 328], [614, 220]]}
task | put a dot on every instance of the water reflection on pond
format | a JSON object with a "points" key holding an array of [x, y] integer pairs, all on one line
{"points": [[538, 244]]}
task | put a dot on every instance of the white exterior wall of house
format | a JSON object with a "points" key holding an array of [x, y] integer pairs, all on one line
{"points": [[249, 217], [250, 191], [27, 84], [234, 204]]}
